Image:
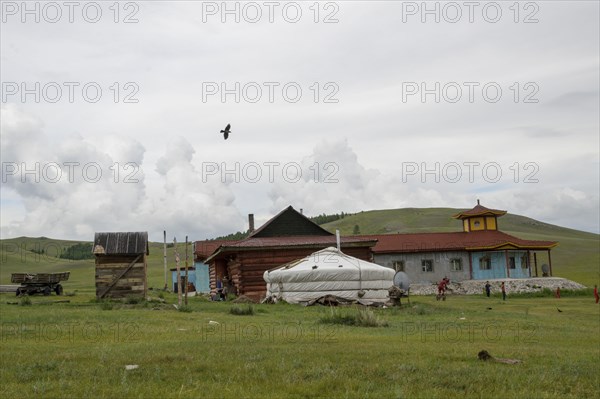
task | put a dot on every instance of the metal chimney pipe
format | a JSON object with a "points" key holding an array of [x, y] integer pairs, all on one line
{"points": [[251, 222], [337, 239]]}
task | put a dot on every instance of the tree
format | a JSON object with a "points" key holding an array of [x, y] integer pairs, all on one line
{"points": [[356, 230]]}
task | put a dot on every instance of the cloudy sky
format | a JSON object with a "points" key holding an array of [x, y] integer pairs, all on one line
{"points": [[110, 114]]}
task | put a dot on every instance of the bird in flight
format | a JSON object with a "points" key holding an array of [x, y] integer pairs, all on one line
{"points": [[226, 131]]}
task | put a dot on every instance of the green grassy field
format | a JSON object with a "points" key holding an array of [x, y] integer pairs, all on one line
{"points": [[429, 350]]}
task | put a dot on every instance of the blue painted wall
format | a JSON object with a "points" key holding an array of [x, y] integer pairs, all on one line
{"points": [[191, 278], [498, 265], [202, 277]]}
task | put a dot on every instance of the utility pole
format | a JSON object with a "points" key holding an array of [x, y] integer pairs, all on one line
{"points": [[165, 257], [178, 272], [186, 270]]}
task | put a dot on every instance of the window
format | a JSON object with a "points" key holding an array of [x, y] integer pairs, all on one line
{"points": [[427, 265], [524, 261], [485, 263], [456, 265], [511, 262], [399, 265]]}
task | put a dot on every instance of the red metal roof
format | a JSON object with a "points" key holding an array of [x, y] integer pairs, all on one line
{"points": [[253, 243], [256, 242], [203, 249], [479, 210], [456, 241]]}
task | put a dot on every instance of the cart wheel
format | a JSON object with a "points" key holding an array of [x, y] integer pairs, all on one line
{"points": [[58, 289], [47, 291]]}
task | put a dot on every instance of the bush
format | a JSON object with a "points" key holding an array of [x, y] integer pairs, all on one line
{"points": [[25, 301], [364, 317], [242, 310], [106, 305], [185, 309], [131, 300], [367, 318]]}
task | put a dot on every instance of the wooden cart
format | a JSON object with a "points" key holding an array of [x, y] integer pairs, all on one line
{"points": [[39, 283]]}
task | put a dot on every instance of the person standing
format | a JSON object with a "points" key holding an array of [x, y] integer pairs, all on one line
{"points": [[488, 288], [596, 293], [503, 288]]}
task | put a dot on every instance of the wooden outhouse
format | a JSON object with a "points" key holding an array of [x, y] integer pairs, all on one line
{"points": [[121, 264]]}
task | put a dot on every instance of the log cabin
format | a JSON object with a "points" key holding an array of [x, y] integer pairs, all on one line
{"points": [[239, 266]]}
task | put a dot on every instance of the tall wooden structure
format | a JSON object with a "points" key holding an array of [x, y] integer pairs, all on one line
{"points": [[121, 264]]}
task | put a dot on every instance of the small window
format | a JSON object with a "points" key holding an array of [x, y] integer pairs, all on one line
{"points": [[485, 263], [456, 265], [524, 261], [476, 223], [427, 265], [399, 265], [511, 262]]}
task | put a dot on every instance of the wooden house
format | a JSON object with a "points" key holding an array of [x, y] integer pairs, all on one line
{"points": [[121, 264], [238, 266], [202, 250], [479, 252]]}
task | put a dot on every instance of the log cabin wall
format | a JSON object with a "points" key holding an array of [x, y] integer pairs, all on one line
{"points": [[246, 270]]}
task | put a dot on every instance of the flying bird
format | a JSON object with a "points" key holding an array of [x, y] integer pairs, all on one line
{"points": [[226, 131]]}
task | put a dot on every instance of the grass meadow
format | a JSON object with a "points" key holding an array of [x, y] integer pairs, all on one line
{"points": [[424, 350]]}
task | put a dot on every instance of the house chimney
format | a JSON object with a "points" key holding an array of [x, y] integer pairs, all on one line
{"points": [[301, 211], [477, 201], [250, 222]]}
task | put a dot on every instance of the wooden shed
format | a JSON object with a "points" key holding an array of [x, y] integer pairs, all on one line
{"points": [[121, 264]]}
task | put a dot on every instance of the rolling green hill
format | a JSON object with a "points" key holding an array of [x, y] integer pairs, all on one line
{"points": [[577, 257]]}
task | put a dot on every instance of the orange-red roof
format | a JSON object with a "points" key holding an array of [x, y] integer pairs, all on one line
{"points": [[458, 241], [479, 210], [203, 249], [317, 242]]}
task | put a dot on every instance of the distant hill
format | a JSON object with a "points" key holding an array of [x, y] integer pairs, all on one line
{"points": [[577, 257]]}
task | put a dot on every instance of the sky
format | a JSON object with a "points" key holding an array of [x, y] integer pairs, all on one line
{"points": [[111, 112]]}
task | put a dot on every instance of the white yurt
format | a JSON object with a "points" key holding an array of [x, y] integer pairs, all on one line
{"points": [[329, 272]]}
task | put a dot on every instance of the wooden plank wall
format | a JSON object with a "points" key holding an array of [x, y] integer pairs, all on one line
{"points": [[248, 268], [132, 284]]}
